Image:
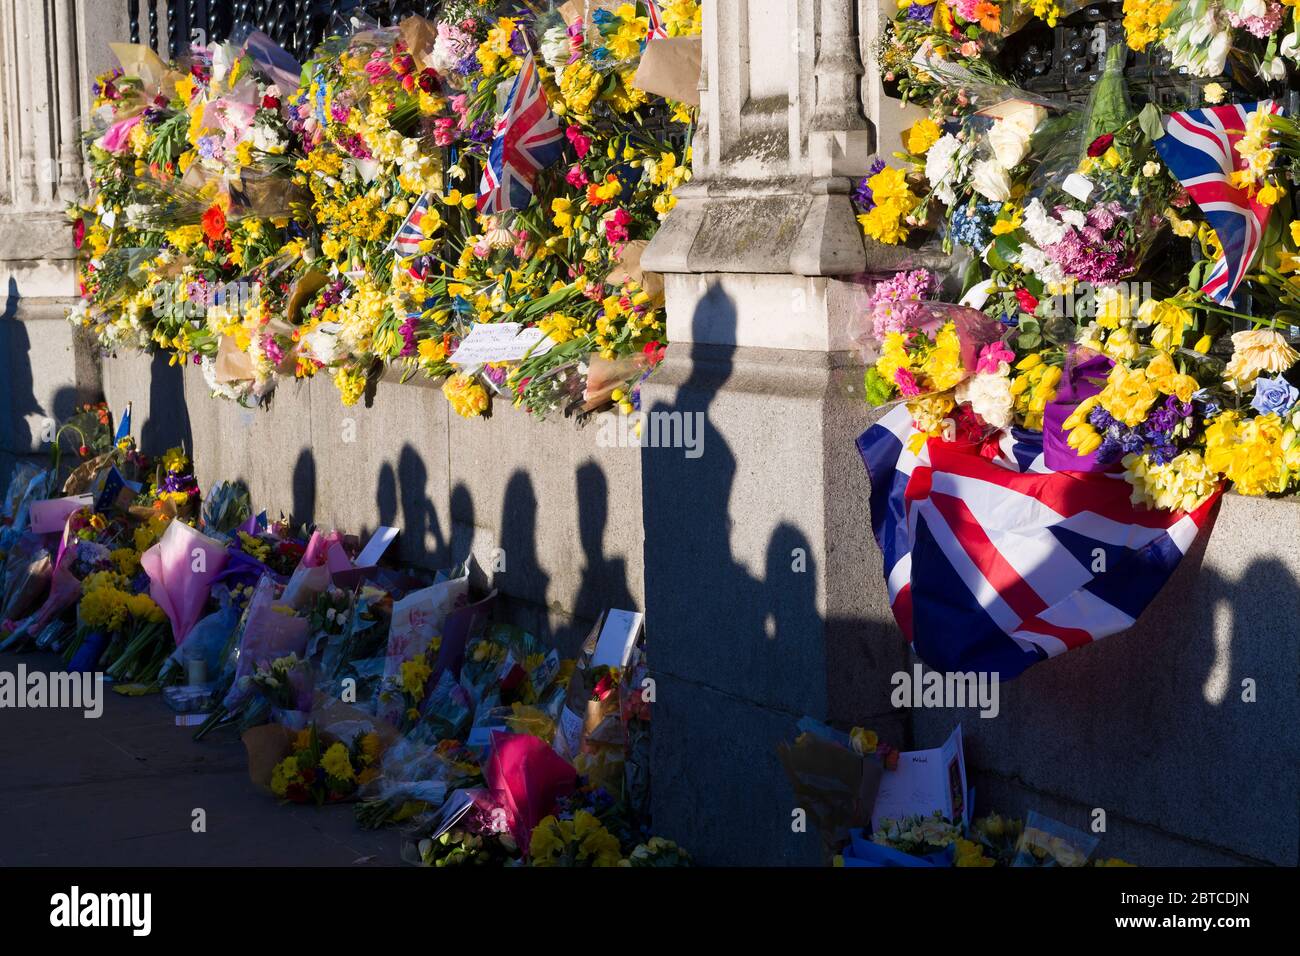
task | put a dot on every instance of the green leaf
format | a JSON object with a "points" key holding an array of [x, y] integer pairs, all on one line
{"points": [[1149, 121]]}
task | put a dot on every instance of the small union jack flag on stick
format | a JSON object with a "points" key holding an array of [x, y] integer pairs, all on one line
{"points": [[411, 234], [657, 30], [526, 140]]}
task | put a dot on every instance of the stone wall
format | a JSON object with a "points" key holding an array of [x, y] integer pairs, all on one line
{"points": [[765, 600], [564, 512]]}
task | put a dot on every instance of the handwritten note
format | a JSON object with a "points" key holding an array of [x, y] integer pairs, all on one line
{"points": [[500, 342]]}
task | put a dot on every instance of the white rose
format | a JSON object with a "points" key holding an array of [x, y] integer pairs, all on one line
{"points": [[991, 180], [989, 395], [1010, 134], [1009, 143]]}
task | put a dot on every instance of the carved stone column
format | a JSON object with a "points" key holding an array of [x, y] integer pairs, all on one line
{"points": [[50, 50]]}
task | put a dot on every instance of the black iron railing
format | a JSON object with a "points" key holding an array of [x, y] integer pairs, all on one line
{"points": [[1066, 61], [297, 25]]}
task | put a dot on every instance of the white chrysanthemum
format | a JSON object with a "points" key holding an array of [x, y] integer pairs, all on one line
{"points": [[1044, 228], [941, 167]]}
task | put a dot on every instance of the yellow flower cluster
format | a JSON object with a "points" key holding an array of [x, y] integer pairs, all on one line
{"points": [[582, 841], [337, 762], [467, 397], [894, 202], [1143, 21], [1033, 388], [1251, 453], [415, 674], [1182, 484]]}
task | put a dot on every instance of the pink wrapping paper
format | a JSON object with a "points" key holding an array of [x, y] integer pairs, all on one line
{"points": [[179, 581], [528, 777]]}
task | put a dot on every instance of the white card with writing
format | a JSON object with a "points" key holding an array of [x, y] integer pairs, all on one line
{"points": [[499, 342], [925, 781], [617, 638]]}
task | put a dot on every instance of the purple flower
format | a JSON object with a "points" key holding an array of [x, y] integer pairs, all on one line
{"points": [[862, 196]]}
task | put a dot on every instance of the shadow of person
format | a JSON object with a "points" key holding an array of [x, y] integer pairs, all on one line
{"points": [[604, 580], [791, 579], [168, 421], [691, 571], [461, 545], [19, 409], [419, 517], [722, 645], [304, 489], [517, 561], [386, 495]]}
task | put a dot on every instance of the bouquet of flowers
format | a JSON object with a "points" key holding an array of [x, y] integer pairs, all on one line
{"points": [[319, 773]]}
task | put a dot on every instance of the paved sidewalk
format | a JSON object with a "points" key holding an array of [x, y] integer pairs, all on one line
{"points": [[120, 790]]}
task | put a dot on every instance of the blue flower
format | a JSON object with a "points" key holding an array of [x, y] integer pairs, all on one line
{"points": [[1273, 396]]}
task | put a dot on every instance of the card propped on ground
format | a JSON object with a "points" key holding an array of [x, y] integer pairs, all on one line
{"points": [[925, 781]]}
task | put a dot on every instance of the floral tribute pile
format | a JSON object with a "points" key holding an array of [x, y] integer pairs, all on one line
{"points": [[388, 687], [1124, 277], [369, 208], [840, 777]]}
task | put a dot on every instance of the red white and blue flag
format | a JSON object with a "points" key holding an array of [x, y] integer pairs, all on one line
{"points": [[526, 140], [411, 233], [1200, 149], [993, 564], [656, 29]]}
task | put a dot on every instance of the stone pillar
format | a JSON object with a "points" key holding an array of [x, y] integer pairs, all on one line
{"points": [[761, 576], [49, 52]]}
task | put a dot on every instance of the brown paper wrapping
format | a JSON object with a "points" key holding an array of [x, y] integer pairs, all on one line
{"points": [[419, 35], [604, 375], [303, 288], [670, 67], [629, 267], [83, 476], [266, 745], [231, 364], [573, 10]]}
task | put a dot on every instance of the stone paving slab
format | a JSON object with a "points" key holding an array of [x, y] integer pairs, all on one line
{"points": [[120, 790]]}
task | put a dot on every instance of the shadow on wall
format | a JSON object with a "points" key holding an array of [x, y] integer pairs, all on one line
{"points": [[1150, 725], [18, 397], [168, 421], [722, 639]]}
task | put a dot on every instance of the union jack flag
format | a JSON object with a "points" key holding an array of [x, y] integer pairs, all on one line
{"points": [[411, 233], [526, 140], [1200, 149], [656, 30], [995, 564]]}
